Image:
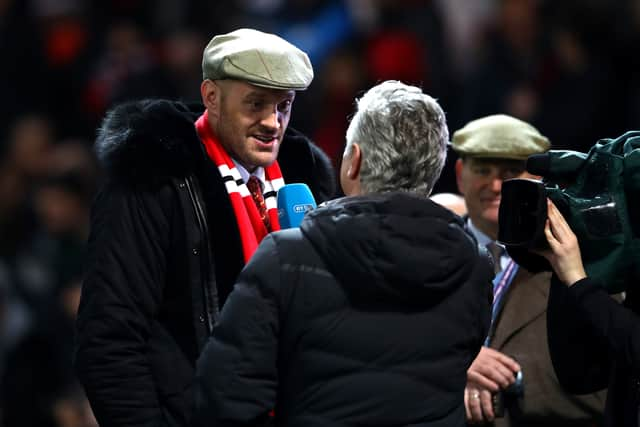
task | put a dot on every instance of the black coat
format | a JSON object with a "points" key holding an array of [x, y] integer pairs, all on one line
{"points": [[369, 315], [594, 343], [163, 254]]}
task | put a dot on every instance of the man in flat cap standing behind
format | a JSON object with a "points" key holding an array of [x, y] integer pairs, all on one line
{"points": [[493, 149], [188, 195]]}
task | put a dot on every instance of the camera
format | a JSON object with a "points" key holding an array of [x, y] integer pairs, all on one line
{"points": [[598, 193], [522, 213]]}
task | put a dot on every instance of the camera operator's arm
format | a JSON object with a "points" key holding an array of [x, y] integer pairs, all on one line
{"points": [[578, 313]]}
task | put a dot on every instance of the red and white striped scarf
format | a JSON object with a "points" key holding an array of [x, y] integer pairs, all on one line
{"points": [[252, 229]]}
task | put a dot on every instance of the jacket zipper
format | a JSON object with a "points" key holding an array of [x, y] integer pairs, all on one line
{"points": [[211, 304]]}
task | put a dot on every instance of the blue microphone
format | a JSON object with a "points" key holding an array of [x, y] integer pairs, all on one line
{"points": [[293, 201]]}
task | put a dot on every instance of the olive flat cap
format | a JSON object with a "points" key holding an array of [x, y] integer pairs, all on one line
{"points": [[499, 136], [258, 58]]}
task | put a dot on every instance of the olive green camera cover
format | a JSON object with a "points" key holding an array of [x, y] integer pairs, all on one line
{"points": [[599, 195]]}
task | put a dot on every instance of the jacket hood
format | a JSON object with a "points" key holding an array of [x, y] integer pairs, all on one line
{"points": [[392, 245]]}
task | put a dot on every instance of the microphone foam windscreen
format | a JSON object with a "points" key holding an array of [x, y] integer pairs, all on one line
{"points": [[294, 200]]}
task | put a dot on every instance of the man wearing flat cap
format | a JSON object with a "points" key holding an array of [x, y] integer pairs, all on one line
{"points": [[511, 382], [188, 195]]}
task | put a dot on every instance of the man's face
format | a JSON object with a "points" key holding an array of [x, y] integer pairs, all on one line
{"points": [[480, 182], [250, 121]]}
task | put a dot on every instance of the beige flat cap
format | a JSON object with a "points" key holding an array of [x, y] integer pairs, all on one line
{"points": [[258, 58], [499, 136]]}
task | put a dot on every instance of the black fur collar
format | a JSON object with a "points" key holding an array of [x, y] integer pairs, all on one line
{"points": [[148, 140]]}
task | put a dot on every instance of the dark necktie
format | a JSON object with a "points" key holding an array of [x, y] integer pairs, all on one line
{"points": [[255, 188], [496, 253]]}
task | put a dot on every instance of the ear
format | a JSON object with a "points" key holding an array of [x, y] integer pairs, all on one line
{"points": [[210, 93], [350, 171], [459, 181], [353, 172]]}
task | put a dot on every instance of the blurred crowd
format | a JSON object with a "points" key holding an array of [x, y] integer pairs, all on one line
{"points": [[567, 67]]}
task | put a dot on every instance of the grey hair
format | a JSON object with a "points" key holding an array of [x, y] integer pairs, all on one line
{"points": [[403, 136]]}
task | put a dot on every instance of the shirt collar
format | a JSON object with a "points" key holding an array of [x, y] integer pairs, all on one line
{"points": [[244, 173], [482, 238]]}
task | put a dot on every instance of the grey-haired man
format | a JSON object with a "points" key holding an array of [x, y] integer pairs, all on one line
{"points": [[189, 194]]}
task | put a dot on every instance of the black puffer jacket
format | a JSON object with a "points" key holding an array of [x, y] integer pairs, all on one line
{"points": [[164, 252], [369, 315]]}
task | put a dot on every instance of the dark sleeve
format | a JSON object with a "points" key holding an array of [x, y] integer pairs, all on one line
{"points": [[613, 324], [483, 286], [577, 347], [485, 300], [124, 278], [236, 374]]}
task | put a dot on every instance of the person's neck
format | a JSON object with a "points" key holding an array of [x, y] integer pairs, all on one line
{"points": [[245, 173], [490, 229], [490, 233], [250, 169]]}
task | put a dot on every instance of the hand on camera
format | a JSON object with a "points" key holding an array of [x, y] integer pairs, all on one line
{"points": [[564, 253]]}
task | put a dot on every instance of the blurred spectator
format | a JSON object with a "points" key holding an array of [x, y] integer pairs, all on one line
{"points": [[399, 55], [49, 267], [43, 224], [62, 206], [452, 201], [29, 146], [408, 42], [512, 64], [65, 42], [415, 29], [341, 79], [580, 96], [546, 63], [75, 155], [39, 388], [127, 69], [465, 23], [182, 55], [64, 31], [318, 27], [25, 160]]}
